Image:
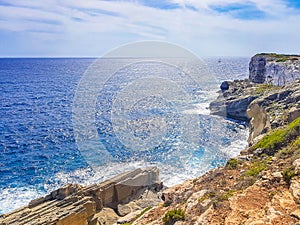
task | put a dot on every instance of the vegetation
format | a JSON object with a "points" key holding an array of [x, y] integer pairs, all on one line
{"points": [[275, 55], [227, 195], [262, 88], [283, 59], [207, 196], [232, 164], [288, 174], [173, 216], [255, 168], [143, 212], [279, 137]]}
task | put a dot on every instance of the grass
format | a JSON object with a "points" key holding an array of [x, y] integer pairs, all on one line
{"points": [[262, 88], [225, 196], [143, 212], [288, 174], [283, 58], [291, 151], [207, 196], [173, 216], [280, 137], [275, 55], [232, 164], [255, 168]]}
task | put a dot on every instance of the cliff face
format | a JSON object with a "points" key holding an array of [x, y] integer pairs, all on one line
{"points": [[274, 68], [260, 186], [264, 106]]}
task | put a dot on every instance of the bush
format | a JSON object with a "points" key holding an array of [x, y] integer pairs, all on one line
{"points": [[262, 88], [232, 164], [172, 216], [288, 174], [255, 168], [143, 212], [279, 138], [227, 195]]}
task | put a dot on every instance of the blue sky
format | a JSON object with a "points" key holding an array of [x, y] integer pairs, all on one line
{"points": [[76, 28]]}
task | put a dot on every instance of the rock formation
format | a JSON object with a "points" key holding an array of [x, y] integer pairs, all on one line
{"points": [[96, 204], [233, 101], [264, 106], [260, 186], [274, 68]]}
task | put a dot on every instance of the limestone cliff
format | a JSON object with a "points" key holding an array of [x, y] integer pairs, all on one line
{"points": [[264, 106], [274, 68]]}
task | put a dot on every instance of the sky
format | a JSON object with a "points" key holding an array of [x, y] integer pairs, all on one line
{"points": [[91, 28]]}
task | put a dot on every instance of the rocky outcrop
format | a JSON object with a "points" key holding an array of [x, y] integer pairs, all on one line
{"points": [[234, 99], [273, 108], [264, 106], [91, 205], [254, 188], [274, 68]]}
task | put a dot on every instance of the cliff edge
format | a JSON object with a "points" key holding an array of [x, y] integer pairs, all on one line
{"points": [[275, 69]]}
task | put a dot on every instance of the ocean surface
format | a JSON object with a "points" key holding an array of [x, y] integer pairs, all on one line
{"points": [[39, 148]]}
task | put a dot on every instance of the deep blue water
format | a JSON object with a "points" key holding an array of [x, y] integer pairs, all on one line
{"points": [[37, 145]]}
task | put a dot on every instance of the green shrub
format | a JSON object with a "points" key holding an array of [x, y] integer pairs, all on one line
{"points": [[232, 164], [282, 59], [207, 196], [143, 212], [279, 137], [288, 174], [262, 88], [172, 216], [293, 150], [227, 195], [255, 168]]}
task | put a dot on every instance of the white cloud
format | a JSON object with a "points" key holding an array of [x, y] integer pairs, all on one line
{"points": [[92, 27]]}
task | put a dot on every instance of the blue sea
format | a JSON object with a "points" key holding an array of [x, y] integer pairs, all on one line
{"points": [[39, 147]]}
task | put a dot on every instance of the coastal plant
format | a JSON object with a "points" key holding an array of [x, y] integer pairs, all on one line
{"points": [[207, 196], [291, 151], [255, 168], [282, 59], [288, 174], [173, 216], [225, 196], [279, 137], [262, 88], [143, 212], [232, 164]]}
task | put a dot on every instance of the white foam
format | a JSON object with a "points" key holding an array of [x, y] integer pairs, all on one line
{"points": [[13, 198]]}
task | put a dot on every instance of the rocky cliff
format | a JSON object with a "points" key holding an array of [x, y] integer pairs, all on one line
{"points": [[264, 106], [260, 186], [274, 68]]}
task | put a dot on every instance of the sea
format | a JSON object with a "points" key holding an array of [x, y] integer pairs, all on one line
{"points": [[132, 121]]}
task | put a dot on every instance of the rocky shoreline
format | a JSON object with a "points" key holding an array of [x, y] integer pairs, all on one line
{"points": [[260, 186]]}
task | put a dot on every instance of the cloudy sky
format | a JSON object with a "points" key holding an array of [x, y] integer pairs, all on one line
{"points": [[94, 27]]}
